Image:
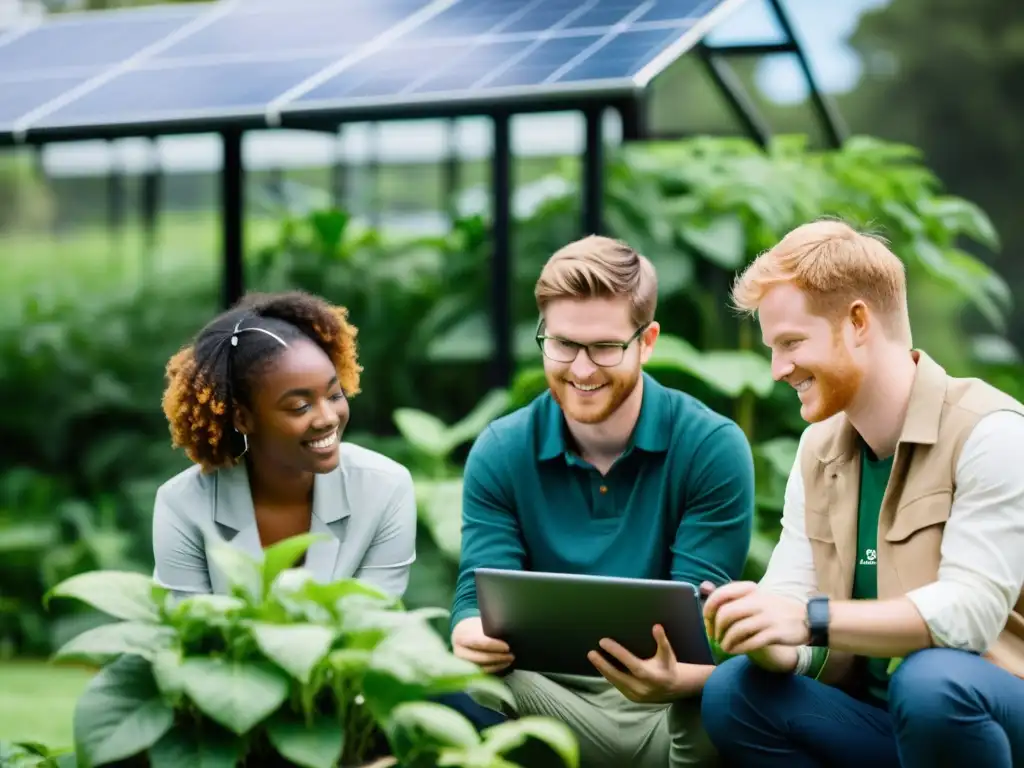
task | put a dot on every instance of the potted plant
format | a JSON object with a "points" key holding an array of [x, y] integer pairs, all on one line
{"points": [[282, 671]]}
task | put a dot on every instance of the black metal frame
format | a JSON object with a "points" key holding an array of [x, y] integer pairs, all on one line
{"points": [[631, 108], [715, 60]]}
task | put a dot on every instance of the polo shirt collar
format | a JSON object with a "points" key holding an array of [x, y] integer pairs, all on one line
{"points": [[651, 433]]}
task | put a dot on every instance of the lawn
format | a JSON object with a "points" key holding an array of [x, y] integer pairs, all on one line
{"points": [[95, 260], [37, 701]]}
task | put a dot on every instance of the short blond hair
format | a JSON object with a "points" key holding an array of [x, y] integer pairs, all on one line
{"points": [[597, 267], [834, 265]]}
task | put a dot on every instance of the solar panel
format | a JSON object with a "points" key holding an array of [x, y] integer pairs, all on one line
{"points": [[22, 96], [277, 32], [90, 43], [255, 60]]}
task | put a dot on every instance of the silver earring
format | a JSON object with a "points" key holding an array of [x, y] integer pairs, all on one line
{"points": [[245, 442]]}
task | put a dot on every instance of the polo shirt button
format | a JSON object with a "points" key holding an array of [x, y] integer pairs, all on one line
{"points": [[604, 489]]}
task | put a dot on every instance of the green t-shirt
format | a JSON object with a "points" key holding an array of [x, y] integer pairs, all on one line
{"points": [[874, 476]]}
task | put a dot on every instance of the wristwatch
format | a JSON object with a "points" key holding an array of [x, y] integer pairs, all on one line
{"points": [[818, 620]]}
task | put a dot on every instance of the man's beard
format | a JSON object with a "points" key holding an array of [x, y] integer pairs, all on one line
{"points": [[618, 387], [837, 385]]}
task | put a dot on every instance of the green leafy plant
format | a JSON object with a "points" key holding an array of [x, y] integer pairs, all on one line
{"points": [[87, 371], [282, 671], [438, 479], [29, 754], [701, 209]]}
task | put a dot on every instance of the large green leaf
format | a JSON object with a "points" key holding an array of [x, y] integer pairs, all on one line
{"points": [[471, 340], [959, 216], [441, 509], [27, 754], [121, 594], [730, 373], [412, 664], [242, 572], [507, 736], [166, 666], [780, 453], [733, 373], [329, 226], [419, 726], [674, 352], [101, 644], [207, 746], [722, 241], [296, 648], [490, 691], [120, 714], [317, 744], [493, 405], [27, 537], [236, 694], [284, 554], [428, 433], [348, 662], [972, 279], [305, 600]]}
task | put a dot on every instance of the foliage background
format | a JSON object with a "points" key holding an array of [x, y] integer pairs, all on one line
{"points": [[90, 314], [88, 372]]}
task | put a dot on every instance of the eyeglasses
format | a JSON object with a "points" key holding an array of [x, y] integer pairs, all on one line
{"points": [[605, 354]]}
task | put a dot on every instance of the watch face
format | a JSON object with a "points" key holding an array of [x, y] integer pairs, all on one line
{"points": [[817, 620]]}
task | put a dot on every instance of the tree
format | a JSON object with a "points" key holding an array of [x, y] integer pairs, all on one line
{"points": [[948, 77]]}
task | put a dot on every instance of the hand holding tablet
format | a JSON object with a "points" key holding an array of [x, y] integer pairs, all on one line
{"points": [[470, 643], [553, 622]]}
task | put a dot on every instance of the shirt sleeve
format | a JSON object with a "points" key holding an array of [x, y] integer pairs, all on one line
{"points": [[790, 570], [713, 537], [178, 550], [981, 570], [392, 551], [491, 537]]}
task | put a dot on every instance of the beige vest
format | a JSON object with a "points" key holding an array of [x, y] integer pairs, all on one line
{"points": [[942, 412]]}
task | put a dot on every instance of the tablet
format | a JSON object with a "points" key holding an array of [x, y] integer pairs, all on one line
{"points": [[552, 620]]}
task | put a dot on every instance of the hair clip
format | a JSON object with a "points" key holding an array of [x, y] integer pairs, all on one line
{"points": [[238, 330]]}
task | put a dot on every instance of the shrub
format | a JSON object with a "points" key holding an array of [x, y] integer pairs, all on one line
{"points": [[282, 671]]}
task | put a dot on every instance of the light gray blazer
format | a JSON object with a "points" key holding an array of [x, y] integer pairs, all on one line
{"points": [[367, 505]]}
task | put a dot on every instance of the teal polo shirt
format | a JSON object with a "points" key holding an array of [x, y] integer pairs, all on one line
{"points": [[677, 504]]}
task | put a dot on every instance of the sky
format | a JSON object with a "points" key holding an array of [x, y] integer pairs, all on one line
{"points": [[823, 27]]}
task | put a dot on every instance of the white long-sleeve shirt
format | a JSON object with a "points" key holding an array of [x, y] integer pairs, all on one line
{"points": [[981, 570]]}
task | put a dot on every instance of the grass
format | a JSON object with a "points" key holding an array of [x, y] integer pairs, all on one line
{"points": [[37, 701], [93, 259]]}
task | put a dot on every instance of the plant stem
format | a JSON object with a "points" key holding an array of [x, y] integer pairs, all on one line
{"points": [[745, 407], [746, 404]]}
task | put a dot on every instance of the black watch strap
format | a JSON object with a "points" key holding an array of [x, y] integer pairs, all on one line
{"points": [[818, 621]]}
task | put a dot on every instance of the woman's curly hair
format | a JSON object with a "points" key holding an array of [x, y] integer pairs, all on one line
{"points": [[208, 378]]}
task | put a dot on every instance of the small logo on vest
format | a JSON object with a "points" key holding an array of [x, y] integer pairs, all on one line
{"points": [[870, 557]]}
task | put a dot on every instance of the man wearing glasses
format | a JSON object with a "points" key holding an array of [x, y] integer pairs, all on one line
{"points": [[608, 473]]}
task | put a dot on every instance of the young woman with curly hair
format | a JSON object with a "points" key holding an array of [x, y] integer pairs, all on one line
{"points": [[259, 402]]}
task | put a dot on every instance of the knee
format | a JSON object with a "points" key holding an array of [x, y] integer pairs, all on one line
{"points": [[690, 743], [733, 685], [930, 686]]}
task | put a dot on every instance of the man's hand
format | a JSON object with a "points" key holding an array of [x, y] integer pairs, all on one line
{"points": [[745, 619], [470, 643], [658, 679], [773, 658]]}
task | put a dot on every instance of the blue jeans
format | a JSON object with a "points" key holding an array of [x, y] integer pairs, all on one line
{"points": [[480, 716], [946, 708]]}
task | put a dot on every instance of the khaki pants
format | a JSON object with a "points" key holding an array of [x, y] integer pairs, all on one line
{"points": [[614, 732]]}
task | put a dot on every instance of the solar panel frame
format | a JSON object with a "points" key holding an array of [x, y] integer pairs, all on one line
{"points": [[501, 88]]}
